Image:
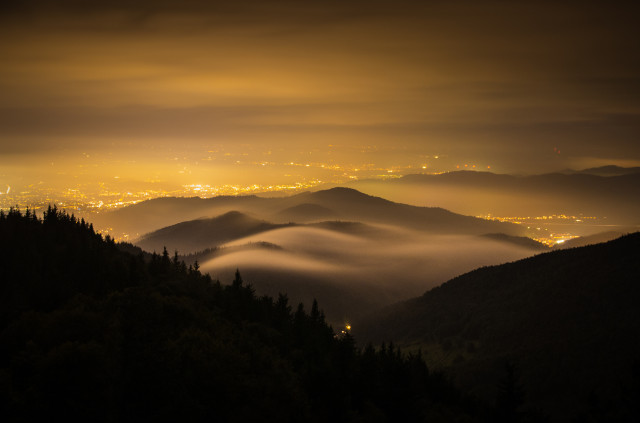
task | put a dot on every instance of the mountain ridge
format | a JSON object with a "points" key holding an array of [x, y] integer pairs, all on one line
{"points": [[198, 234], [346, 203], [559, 316], [611, 199]]}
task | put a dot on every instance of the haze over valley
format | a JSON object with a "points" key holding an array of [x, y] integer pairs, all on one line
{"points": [[371, 252], [320, 211]]}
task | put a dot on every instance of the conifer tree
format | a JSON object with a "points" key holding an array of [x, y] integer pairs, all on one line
{"points": [[237, 281]]}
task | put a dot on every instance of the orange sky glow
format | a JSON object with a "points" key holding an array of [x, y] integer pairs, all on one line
{"points": [[235, 92]]}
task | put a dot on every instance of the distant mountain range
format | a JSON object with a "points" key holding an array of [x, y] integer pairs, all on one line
{"points": [[370, 253], [568, 320], [553, 334], [605, 171], [377, 253], [614, 198], [335, 204]]}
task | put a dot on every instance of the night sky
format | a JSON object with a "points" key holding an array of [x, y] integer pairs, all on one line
{"points": [[198, 87]]}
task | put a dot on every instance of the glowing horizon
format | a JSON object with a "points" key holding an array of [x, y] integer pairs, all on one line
{"points": [[221, 94]]}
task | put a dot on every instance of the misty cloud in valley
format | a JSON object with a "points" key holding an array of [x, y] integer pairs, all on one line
{"points": [[350, 274]]}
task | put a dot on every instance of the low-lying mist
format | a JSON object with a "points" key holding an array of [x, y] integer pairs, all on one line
{"points": [[352, 274]]}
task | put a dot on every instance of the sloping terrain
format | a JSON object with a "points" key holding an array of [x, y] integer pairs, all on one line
{"points": [[568, 319], [95, 334], [353, 268], [199, 234]]}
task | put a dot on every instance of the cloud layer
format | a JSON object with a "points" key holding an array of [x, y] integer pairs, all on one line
{"points": [[352, 275], [499, 81]]}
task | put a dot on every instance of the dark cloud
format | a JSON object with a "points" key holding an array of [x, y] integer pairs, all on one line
{"points": [[463, 78]]}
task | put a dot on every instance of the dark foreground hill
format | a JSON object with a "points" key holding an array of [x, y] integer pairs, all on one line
{"points": [[566, 321], [89, 332]]}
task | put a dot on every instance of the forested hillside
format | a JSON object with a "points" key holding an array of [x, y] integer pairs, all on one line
{"points": [[568, 321], [91, 333]]}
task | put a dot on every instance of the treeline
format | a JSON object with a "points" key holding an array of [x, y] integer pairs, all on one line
{"points": [[568, 320], [90, 332]]}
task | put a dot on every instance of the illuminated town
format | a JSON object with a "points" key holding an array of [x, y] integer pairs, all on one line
{"points": [[536, 226], [76, 199], [189, 176], [84, 199]]}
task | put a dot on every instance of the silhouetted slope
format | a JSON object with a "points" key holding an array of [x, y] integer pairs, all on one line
{"points": [[150, 215], [91, 333], [202, 234], [354, 205], [351, 267], [568, 319], [45, 263], [199, 234]]}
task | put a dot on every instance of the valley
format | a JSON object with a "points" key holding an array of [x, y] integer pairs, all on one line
{"points": [[352, 252], [470, 294]]}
